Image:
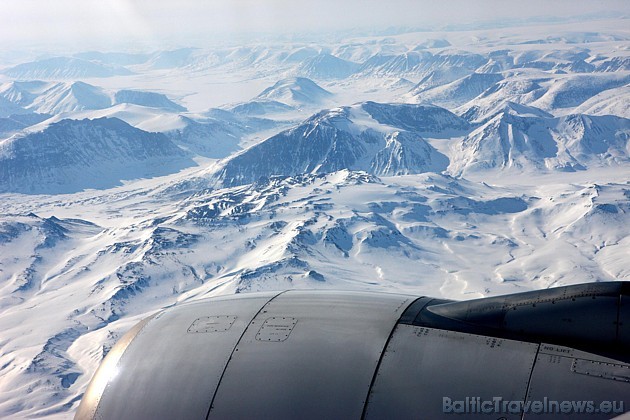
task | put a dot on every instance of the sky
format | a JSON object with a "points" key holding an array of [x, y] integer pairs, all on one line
{"points": [[103, 24]]}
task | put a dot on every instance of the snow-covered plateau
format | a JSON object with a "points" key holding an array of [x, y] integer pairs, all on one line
{"points": [[454, 164]]}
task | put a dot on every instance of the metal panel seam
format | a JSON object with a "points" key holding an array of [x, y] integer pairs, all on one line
{"points": [[234, 348], [529, 380], [380, 359]]}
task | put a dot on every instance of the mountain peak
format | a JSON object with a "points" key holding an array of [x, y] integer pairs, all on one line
{"points": [[295, 90], [380, 139], [150, 99], [56, 97], [327, 66], [64, 68], [71, 155]]}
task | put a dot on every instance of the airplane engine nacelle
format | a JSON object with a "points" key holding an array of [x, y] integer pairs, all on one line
{"points": [[345, 355]]}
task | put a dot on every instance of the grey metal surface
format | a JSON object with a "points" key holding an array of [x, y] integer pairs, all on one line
{"points": [[322, 369], [623, 323], [206, 324], [565, 374], [598, 369], [276, 328], [105, 372], [332, 354], [421, 366], [587, 318], [592, 317], [173, 366]]}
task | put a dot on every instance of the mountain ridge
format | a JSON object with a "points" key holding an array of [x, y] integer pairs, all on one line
{"points": [[71, 155]]}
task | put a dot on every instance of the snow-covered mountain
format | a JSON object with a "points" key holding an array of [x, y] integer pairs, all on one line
{"points": [[71, 155], [300, 54], [295, 91], [610, 64], [23, 93], [55, 98], [261, 107], [8, 108], [215, 134], [393, 65], [171, 59], [208, 137], [524, 138], [327, 66], [150, 99], [93, 277], [376, 138], [17, 122], [10, 126], [62, 97], [432, 43], [427, 120], [439, 77], [609, 102], [507, 92], [433, 69], [238, 122], [65, 97], [570, 92], [588, 138], [458, 92], [592, 94], [63, 68]]}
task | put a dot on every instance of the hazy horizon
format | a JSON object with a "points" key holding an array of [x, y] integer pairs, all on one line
{"points": [[143, 24]]}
